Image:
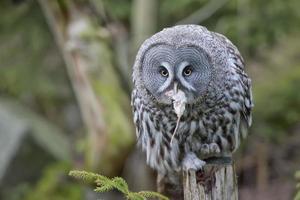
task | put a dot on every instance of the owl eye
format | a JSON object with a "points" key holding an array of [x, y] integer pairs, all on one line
{"points": [[163, 71], [187, 71]]}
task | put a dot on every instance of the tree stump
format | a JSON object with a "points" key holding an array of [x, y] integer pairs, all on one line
{"points": [[217, 181]]}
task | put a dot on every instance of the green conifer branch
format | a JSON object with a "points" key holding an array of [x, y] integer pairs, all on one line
{"points": [[104, 184], [149, 194]]}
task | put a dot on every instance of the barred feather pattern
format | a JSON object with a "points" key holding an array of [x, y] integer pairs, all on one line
{"points": [[222, 118]]}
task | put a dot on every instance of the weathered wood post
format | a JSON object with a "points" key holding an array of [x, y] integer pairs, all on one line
{"points": [[217, 181]]}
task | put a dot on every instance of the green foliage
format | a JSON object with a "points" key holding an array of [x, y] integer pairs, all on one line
{"points": [[171, 11], [297, 176], [55, 185], [31, 69], [245, 22], [118, 9], [33, 72], [104, 184], [276, 90]]}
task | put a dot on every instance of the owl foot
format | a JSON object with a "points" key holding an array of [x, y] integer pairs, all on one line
{"points": [[192, 162], [208, 150]]}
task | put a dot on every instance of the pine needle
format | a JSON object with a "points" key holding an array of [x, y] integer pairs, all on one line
{"points": [[105, 184], [148, 194]]}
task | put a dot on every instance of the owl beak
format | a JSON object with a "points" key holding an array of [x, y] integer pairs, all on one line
{"points": [[175, 89], [173, 92]]}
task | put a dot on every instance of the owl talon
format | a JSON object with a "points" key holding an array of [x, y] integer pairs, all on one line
{"points": [[205, 149], [214, 148], [192, 162], [209, 149]]}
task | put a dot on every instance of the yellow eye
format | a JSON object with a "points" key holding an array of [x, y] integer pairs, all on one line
{"points": [[164, 72], [187, 71]]}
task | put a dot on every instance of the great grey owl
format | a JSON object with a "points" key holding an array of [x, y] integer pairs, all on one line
{"points": [[209, 71]]}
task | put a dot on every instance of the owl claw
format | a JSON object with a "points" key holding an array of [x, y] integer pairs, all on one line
{"points": [[192, 162], [209, 149], [214, 148], [205, 149]]}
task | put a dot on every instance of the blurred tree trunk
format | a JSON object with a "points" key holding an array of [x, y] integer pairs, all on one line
{"points": [[262, 170], [243, 12], [143, 21], [143, 24], [104, 105], [121, 47]]}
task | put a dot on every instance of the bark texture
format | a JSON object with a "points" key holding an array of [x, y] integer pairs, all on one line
{"points": [[215, 182]]}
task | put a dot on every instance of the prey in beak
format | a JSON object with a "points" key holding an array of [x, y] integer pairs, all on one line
{"points": [[172, 92], [179, 101]]}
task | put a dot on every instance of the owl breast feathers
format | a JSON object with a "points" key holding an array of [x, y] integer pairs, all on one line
{"points": [[209, 70]]}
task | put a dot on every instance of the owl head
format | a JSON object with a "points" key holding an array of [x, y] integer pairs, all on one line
{"points": [[182, 58]]}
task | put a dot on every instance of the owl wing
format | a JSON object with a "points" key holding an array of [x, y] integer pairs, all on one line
{"points": [[237, 64], [135, 101]]}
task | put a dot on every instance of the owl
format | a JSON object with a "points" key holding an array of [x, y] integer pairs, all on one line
{"points": [[208, 70]]}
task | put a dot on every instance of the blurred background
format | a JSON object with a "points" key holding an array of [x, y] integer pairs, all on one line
{"points": [[65, 82]]}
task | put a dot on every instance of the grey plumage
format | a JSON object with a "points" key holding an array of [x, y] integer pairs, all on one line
{"points": [[210, 71]]}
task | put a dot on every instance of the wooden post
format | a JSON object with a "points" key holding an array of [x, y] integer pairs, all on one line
{"points": [[217, 181]]}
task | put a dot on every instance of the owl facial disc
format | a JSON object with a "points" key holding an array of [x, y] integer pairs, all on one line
{"points": [[187, 66]]}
